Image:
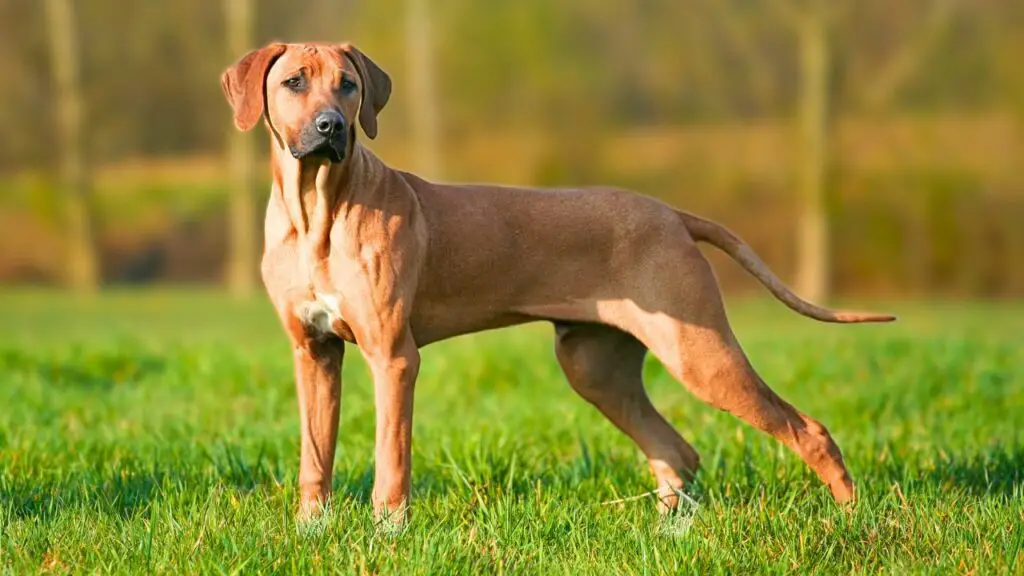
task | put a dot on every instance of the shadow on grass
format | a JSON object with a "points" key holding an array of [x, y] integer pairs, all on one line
{"points": [[43, 499], [127, 487], [99, 371], [485, 471], [995, 472]]}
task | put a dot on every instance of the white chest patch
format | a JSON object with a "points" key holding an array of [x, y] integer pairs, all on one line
{"points": [[321, 314]]}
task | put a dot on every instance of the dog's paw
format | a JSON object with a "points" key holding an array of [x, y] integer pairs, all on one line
{"points": [[392, 522], [843, 492], [677, 522], [312, 518]]}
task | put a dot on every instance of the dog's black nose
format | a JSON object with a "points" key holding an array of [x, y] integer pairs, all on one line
{"points": [[330, 123]]}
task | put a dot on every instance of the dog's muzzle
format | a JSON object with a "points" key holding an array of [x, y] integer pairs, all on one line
{"points": [[324, 137]]}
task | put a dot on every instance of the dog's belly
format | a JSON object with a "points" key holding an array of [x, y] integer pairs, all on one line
{"points": [[432, 323]]}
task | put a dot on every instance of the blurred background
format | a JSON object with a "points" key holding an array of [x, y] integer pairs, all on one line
{"points": [[866, 148]]}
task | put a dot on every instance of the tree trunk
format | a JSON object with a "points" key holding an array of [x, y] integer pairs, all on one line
{"points": [[242, 253], [82, 270], [423, 107], [813, 258]]}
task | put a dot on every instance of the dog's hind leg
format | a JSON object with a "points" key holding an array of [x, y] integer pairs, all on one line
{"points": [[691, 336], [605, 367]]}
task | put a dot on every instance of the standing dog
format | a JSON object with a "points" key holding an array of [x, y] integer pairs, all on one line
{"points": [[359, 252]]}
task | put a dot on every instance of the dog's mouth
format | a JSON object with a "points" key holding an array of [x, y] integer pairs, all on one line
{"points": [[332, 150]]}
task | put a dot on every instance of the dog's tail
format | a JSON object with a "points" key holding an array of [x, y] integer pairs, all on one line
{"points": [[721, 238]]}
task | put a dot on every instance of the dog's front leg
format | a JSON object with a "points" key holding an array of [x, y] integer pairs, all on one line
{"points": [[318, 383], [394, 367]]}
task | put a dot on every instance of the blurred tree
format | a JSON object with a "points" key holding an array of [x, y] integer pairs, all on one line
{"points": [[242, 252], [814, 24], [813, 238], [810, 21], [539, 88], [815, 21], [82, 272], [422, 88]]}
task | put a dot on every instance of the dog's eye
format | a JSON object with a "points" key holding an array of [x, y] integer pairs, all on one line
{"points": [[295, 83], [348, 86]]}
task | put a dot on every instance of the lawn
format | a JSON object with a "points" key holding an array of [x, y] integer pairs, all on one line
{"points": [[157, 432]]}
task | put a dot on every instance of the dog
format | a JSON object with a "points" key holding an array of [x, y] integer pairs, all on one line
{"points": [[358, 252]]}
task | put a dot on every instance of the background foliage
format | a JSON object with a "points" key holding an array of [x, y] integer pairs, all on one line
{"points": [[693, 101]]}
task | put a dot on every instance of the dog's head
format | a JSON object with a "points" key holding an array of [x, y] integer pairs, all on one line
{"points": [[309, 94]]}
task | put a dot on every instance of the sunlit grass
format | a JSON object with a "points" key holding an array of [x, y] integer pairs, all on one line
{"points": [[158, 431]]}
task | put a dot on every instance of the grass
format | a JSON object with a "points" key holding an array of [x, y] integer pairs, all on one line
{"points": [[158, 432]]}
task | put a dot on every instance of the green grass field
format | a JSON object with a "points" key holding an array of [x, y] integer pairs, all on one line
{"points": [[158, 432]]}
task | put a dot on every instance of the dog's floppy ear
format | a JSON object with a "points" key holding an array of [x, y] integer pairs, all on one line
{"points": [[376, 88], [244, 84]]}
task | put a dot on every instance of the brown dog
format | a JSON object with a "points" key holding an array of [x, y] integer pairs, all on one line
{"points": [[363, 253]]}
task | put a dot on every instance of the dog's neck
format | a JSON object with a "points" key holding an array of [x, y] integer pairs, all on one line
{"points": [[313, 190]]}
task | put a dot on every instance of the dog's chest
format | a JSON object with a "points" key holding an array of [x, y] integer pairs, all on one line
{"points": [[322, 317]]}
